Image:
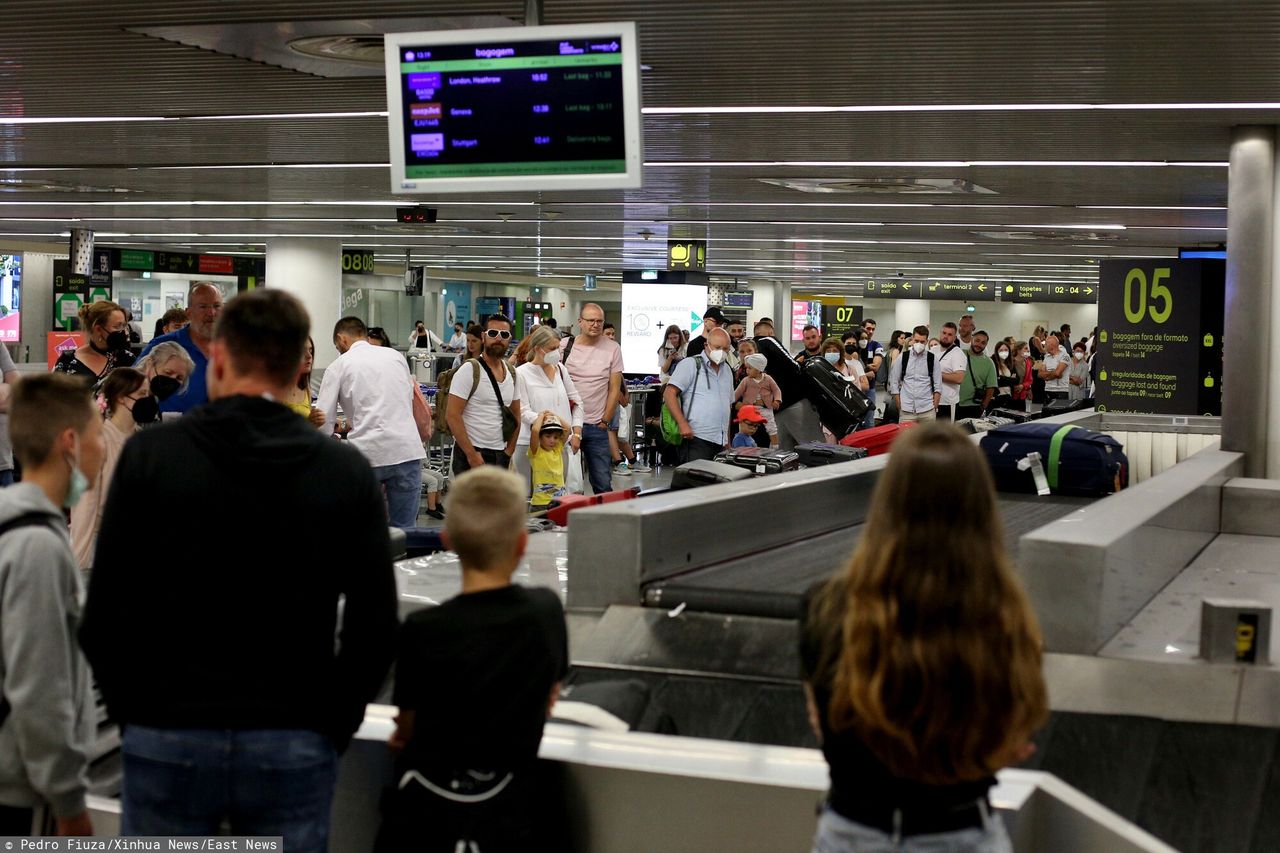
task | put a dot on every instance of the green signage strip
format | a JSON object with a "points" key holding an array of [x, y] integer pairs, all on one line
{"points": [[1160, 328], [510, 62], [497, 170], [133, 259]]}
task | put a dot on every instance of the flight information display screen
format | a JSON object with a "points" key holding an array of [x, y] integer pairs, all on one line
{"points": [[522, 107]]}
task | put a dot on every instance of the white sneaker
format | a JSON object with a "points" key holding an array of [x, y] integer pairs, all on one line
{"points": [[623, 469], [640, 467]]}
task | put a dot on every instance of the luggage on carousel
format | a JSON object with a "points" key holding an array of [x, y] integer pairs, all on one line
{"points": [[1061, 407], [760, 460], [1016, 416], [562, 506], [1075, 461], [815, 453], [704, 472], [876, 440], [841, 404]]}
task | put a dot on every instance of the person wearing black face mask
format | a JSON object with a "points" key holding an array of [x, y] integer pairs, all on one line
{"points": [[166, 368], [106, 347], [123, 398]]}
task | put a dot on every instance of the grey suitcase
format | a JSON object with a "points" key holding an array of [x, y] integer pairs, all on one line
{"points": [[704, 472]]}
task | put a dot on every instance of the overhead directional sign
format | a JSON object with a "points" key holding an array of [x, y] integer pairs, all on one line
{"points": [[1049, 291], [904, 288]]}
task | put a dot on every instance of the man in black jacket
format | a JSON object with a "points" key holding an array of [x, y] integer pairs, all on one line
{"points": [[219, 661], [797, 419]]}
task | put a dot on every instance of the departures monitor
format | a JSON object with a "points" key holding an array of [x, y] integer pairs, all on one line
{"points": [[520, 108]]}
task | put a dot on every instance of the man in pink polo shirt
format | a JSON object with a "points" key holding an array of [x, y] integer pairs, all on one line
{"points": [[594, 363]]}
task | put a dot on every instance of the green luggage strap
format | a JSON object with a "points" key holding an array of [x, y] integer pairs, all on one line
{"points": [[1055, 453]]}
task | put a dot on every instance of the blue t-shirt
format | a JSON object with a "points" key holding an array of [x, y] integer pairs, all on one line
{"points": [[197, 392], [743, 440]]}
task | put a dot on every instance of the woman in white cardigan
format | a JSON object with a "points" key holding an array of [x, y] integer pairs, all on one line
{"points": [[545, 386]]}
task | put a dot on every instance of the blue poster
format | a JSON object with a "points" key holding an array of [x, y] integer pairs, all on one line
{"points": [[455, 298]]}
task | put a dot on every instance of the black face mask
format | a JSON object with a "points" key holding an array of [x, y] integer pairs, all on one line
{"points": [[164, 387], [850, 349], [146, 411], [118, 340]]}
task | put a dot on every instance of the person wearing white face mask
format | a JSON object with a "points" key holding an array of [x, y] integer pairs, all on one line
{"points": [[50, 722], [1078, 375], [700, 396], [545, 386], [916, 380]]}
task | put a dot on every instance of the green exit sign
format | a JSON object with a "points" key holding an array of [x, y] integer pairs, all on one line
{"points": [[133, 259]]}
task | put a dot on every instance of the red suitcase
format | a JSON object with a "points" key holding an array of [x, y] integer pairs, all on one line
{"points": [[561, 507], [877, 439]]}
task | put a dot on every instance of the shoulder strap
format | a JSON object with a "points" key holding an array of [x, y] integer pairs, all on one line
{"points": [[568, 348], [906, 362], [497, 392], [475, 378], [697, 371]]}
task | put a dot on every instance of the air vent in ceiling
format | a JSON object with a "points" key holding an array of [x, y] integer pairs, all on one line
{"points": [[323, 48], [424, 230], [1049, 236], [882, 186]]}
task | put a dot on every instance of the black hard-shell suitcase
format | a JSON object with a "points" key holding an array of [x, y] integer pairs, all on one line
{"points": [[1061, 407], [1017, 416], [760, 460], [841, 405], [704, 472], [1076, 461], [815, 453]]}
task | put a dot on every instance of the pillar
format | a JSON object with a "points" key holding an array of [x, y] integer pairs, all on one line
{"points": [[310, 269], [1249, 424]]}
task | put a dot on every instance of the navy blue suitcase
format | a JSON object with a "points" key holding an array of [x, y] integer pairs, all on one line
{"points": [[815, 453], [1077, 461], [841, 405]]}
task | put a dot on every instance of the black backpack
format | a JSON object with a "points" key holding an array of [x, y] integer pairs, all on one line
{"points": [[906, 360]]}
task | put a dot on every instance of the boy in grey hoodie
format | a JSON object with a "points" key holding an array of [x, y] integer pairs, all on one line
{"points": [[45, 698]]}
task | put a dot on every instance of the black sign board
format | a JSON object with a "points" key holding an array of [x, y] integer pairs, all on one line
{"points": [[838, 319], [243, 267], [1160, 326], [686, 254], [357, 261], [1049, 291], [910, 288], [739, 299]]}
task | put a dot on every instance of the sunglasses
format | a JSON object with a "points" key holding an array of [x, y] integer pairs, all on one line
{"points": [[495, 333]]}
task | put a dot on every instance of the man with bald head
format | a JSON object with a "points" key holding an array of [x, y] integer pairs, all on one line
{"points": [[594, 363], [700, 396], [204, 303]]}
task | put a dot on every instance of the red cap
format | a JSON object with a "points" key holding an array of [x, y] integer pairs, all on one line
{"points": [[752, 414]]}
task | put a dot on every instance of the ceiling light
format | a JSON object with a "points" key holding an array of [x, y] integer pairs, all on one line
{"points": [[923, 164], [954, 108]]}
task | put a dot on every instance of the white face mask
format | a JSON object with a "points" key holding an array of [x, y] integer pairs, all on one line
{"points": [[862, 344], [1026, 353], [1078, 355], [716, 355], [1004, 353], [552, 357], [918, 347]]}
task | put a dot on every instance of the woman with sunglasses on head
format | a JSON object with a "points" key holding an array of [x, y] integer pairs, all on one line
{"points": [[922, 676], [119, 396]]}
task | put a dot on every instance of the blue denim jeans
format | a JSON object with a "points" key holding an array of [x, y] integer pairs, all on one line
{"points": [[869, 419], [598, 459], [403, 486], [838, 834], [6, 478], [263, 782]]}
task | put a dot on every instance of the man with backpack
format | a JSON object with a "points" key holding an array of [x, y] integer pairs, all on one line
{"points": [[483, 404], [915, 380], [47, 716], [700, 397]]}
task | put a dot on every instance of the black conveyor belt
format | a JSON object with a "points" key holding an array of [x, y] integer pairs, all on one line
{"points": [[772, 583]]}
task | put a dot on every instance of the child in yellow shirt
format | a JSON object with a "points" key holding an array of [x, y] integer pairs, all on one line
{"points": [[546, 459]]}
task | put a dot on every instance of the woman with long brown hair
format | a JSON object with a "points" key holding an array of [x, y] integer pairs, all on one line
{"points": [[922, 662]]}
